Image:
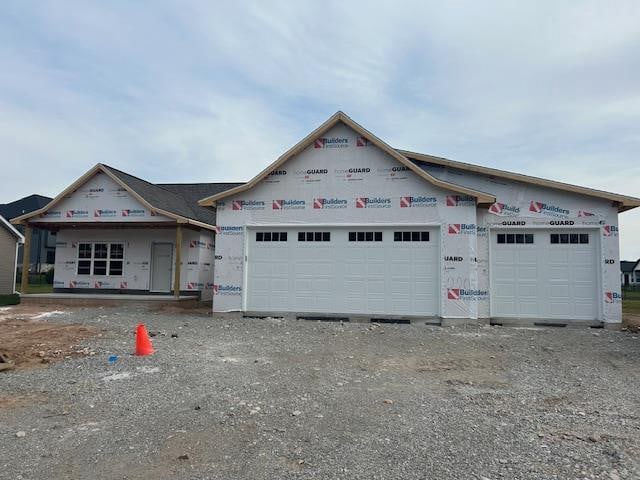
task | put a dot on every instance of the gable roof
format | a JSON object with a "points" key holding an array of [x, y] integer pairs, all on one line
{"points": [[5, 223], [172, 200], [336, 118], [625, 202], [628, 267], [23, 205]]}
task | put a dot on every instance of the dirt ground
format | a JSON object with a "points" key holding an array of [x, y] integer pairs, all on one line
{"points": [[242, 398], [28, 340]]}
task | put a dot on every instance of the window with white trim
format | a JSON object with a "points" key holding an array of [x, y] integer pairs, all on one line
{"points": [[100, 258]]}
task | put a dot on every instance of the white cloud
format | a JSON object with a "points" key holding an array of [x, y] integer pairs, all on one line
{"points": [[202, 91]]}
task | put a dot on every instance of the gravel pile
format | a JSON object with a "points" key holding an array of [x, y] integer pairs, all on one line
{"points": [[269, 399]]}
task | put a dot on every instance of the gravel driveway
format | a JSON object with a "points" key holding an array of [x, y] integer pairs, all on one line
{"points": [[241, 398]]}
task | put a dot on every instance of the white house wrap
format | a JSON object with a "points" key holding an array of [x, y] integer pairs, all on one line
{"points": [[497, 247]]}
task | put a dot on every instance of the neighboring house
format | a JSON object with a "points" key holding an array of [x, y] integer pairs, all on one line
{"points": [[344, 225], [117, 233], [630, 273], [10, 238], [43, 242]]}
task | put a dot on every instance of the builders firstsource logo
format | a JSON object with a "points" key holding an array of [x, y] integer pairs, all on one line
{"points": [[77, 214], [229, 230], [547, 209], [288, 205], [197, 244], [247, 205], [195, 286], [583, 213], [133, 212], [612, 297], [103, 213], [329, 203], [459, 201], [461, 228], [504, 209], [373, 202], [464, 294], [610, 231], [332, 142], [419, 201], [226, 290]]}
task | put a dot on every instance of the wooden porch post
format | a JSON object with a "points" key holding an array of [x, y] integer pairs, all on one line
{"points": [[26, 254], [176, 269]]}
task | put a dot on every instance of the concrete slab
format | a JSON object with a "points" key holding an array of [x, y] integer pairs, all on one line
{"points": [[87, 299]]}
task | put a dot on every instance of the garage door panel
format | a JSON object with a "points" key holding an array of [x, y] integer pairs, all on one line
{"points": [[560, 309], [527, 308], [559, 290], [553, 280], [526, 256], [342, 276]]}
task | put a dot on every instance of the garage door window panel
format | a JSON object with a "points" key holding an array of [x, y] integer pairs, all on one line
{"points": [[410, 236], [372, 236], [271, 236], [314, 236]]}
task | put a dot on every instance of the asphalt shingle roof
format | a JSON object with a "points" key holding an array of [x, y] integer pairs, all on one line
{"points": [[23, 205], [179, 198], [627, 267]]}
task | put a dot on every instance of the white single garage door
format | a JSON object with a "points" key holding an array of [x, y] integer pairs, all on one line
{"points": [[544, 274], [392, 271]]}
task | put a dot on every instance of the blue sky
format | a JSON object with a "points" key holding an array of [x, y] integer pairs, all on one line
{"points": [[212, 91]]}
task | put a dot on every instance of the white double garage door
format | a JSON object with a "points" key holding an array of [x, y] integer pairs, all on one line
{"points": [[396, 271], [380, 271]]}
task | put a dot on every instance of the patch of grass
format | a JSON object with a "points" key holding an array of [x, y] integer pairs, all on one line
{"points": [[631, 301], [38, 288], [13, 299], [631, 306]]}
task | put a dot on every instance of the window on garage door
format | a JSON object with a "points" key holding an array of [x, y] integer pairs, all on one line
{"points": [[314, 236], [410, 236], [365, 236], [271, 236], [515, 238], [569, 238]]}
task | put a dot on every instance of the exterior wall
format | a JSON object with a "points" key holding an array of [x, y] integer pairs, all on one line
{"points": [[344, 180], [100, 199], [8, 249], [519, 205], [196, 259]]}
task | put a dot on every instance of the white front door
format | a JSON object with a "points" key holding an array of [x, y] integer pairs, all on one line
{"points": [[335, 270], [161, 267], [544, 274]]}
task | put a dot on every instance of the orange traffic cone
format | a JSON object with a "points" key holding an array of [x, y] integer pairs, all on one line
{"points": [[143, 342]]}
